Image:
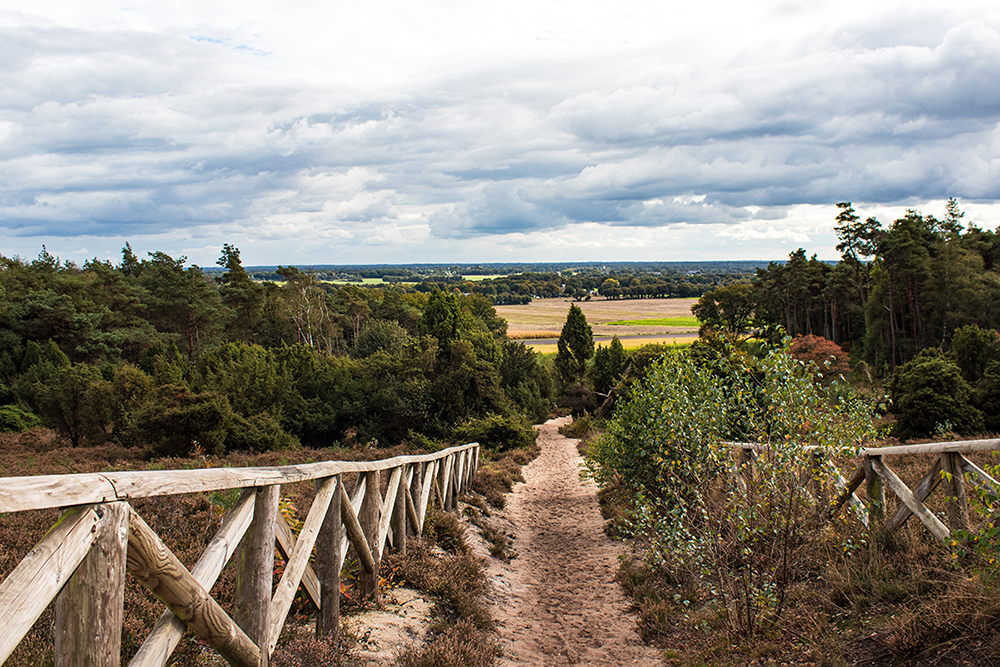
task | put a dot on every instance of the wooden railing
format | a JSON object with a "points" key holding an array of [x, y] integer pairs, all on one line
{"points": [[82, 561], [950, 469]]}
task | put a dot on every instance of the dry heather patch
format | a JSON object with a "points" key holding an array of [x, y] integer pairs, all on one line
{"points": [[905, 602]]}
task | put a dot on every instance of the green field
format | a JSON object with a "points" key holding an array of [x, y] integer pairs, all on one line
{"points": [[682, 321], [548, 348]]}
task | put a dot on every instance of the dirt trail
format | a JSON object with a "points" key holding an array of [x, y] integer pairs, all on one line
{"points": [[557, 603]]}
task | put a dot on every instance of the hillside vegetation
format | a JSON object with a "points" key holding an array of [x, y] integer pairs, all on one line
{"points": [[156, 353]]}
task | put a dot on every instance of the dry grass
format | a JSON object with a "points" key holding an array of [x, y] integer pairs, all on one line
{"points": [[906, 602], [462, 645], [185, 523]]}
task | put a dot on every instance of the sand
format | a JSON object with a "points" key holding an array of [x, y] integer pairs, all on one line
{"points": [[557, 602]]}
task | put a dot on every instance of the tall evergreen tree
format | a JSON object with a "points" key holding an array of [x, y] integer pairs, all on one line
{"points": [[576, 346]]}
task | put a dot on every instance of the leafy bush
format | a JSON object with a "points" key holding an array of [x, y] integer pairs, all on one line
{"points": [[385, 335], [14, 418], [736, 535], [830, 358], [929, 393], [497, 432]]}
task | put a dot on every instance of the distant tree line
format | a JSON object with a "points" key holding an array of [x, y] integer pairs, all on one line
{"points": [[158, 353]]}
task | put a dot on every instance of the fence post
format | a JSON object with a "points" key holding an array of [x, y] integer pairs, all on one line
{"points": [[399, 514], [369, 517], [416, 493], [876, 495], [328, 567], [254, 576], [954, 487], [88, 609]]}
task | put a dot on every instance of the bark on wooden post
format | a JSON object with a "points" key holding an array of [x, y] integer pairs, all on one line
{"points": [[398, 522], [152, 563], [369, 517], [954, 486], [328, 568], [876, 495], [416, 493], [254, 576], [89, 608]]}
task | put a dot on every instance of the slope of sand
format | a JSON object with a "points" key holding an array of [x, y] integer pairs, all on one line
{"points": [[557, 602]]}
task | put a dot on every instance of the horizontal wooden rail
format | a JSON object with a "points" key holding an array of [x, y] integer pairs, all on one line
{"points": [[364, 520], [47, 491], [950, 468]]}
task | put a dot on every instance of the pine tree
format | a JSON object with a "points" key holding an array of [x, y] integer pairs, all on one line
{"points": [[576, 346]]}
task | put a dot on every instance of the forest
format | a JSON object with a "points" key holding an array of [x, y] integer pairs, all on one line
{"points": [[915, 304], [155, 353]]}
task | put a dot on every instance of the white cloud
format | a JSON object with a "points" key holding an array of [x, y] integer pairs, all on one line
{"points": [[439, 131]]}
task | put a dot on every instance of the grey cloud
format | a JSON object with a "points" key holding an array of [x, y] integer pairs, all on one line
{"points": [[109, 133]]}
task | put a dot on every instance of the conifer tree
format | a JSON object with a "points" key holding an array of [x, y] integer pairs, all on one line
{"points": [[576, 346]]}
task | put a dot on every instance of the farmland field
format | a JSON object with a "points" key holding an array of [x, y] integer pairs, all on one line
{"points": [[547, 316]]}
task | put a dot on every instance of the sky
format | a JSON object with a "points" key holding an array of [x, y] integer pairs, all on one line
{"points": [[393, 131]]}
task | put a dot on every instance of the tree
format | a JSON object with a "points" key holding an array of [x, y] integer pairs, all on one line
{"points": [[929, 394], [730, 309], [610, 363], [76, 401], [241, 294], [576, 346], [858, 240]]}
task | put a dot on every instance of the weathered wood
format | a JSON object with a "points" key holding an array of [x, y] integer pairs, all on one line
{"points": [[51, 491], [152, 563], [169, 629], [386, 506], [935, 448], [413, 481], [328, 562], [256, 566], [456, 491], [417, 492], [408, 505], [978, 476], [438, 494], [876, 494], [299, 559], [355, 502], [356, 534], [847, 490], [89, 607], [459, 473], [399, 517], [286, 545], [369, 517], [444, 480], [921, 492], [414, 518], [27, 591], [425, 492], [954, 487], [933, 524]]}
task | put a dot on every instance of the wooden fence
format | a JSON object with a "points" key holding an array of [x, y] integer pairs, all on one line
{"points": [[950, 469], [82, 561]]}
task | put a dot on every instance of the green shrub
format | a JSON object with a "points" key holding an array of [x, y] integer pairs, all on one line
{"points": [[16, 419], [380, 335], [929, 394], [497, 432]]}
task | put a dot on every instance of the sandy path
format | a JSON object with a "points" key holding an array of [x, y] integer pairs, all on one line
{"points": [[557, 603]]}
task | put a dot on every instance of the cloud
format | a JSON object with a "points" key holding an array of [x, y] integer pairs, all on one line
{"points": [[125, 125]]}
